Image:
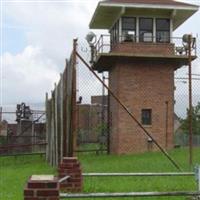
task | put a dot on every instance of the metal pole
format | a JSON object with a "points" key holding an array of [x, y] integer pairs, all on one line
{"points": [[32, 135], [74, 106], [198, 178], [129, 194], [103, 104], [1, 114], [108, 123], [131, 115], [102, 113], [141, 174], [166, 136], [190, 101], [65, 119]]}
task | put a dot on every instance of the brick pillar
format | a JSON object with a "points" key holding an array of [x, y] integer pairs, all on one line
{"points": [[42, 187], [71, 167]]}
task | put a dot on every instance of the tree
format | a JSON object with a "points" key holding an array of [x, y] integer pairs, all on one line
{"points": [[195, 121]]}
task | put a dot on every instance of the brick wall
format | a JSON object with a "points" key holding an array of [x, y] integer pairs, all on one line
{"points": [[145, 48], [99, 99], [141, 85], [42, 188], [71, 167], [89, 119]]}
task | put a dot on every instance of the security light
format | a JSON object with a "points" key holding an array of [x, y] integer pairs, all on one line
{"points": [[91, 38], [186, 40]]}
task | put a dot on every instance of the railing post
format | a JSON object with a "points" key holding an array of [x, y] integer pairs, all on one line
{"points": [[198, 178], [44, 187]]}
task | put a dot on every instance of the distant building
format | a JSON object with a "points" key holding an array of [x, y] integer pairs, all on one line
{"points": [[90, 119], [101, 100], [3, 128]]}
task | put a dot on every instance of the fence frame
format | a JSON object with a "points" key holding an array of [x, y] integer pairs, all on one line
{"points": [[138, 194]]}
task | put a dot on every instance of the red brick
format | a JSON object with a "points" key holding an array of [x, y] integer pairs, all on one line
{"points": [[28, 192], [42, 190], [77, 180], [52, 185], [34, 184], [77, 165], [66, 166], [48, 193], [77, 184], [78, 176], [141, 85], [70, 160], [66, 184], [71, 168]]}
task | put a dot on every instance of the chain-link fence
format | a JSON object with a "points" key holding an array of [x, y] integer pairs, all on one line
{"points": [[95, 118], [22, 136], [92, 107], [181, 120]]}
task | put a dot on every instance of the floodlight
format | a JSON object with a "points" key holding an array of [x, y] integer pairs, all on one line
{"points": [[91, 38], [186, 38]]}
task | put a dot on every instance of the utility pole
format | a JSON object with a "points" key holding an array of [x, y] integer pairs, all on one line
{"points": [[1, 114], [103, 106], [190, 100]]}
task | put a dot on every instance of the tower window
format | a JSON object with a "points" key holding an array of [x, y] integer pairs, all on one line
{"points": [[128, 29], [114, 33], [146, 30], [146, 116], [162, 30]]}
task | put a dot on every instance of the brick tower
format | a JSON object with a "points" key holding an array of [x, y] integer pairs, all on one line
{"points": [[141, 56]]}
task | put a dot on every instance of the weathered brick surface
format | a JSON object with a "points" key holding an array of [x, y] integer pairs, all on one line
{"points": [[145, 48], [141, 85], [71, 167], [42, 190]]}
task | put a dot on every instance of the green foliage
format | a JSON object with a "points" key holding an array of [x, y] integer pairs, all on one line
{"points": [[101, 128], [3, 140], [195, 121]]}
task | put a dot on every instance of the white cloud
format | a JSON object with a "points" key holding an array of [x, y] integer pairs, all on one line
{"points": [[27, 76], [50, 29], [53, 26]]}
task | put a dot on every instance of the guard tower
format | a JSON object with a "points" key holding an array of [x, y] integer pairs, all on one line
{"points": [[141, 56]]}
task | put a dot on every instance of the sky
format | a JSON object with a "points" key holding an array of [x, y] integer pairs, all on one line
{"points": [[36, 38]]}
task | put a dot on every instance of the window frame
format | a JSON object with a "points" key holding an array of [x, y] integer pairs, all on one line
{"points": [[131, 37], [142, 38], [146, 121], [163, 31], [114, 33]]}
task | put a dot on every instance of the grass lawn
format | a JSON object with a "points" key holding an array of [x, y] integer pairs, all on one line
{"points": [[14, 173]]}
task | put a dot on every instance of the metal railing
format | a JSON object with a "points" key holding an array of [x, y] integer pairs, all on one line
{"points": [[105, 44], [130, 194], [140, 174], [139, 194]]}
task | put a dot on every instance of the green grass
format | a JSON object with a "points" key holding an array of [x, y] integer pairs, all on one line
{"points": [[14, 173], [148, 162]]}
